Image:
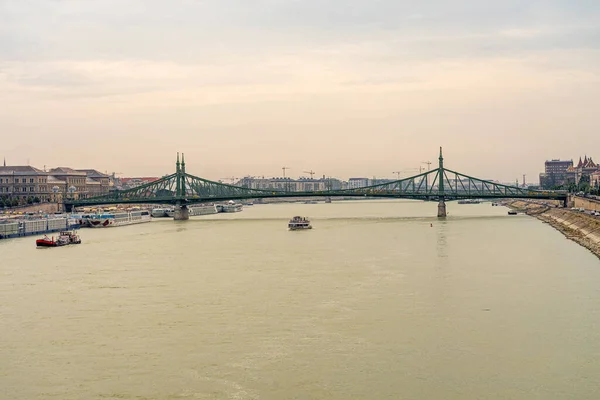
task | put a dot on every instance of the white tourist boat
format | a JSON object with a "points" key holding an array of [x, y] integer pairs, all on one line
{"points": [[469, 201], [117, 219], [159, 212], [202, 210], [231, 207], [298, 223]]}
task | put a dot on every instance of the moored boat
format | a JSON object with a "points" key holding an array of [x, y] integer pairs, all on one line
{"points": [[231, 207], [158, 213], [469, 201], [202, 210], [118, 219], [297, 223], [64, 238]]}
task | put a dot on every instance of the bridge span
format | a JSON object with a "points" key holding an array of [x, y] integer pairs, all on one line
{"points": [[441, 184]]}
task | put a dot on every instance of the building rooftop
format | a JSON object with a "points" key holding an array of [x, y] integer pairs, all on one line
{"points": [[66, 171], [93, 173], [21, 170], [145, 179]]}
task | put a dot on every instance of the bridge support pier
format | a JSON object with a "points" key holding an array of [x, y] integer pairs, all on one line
{"points": [[182, 213], [442, 209]]}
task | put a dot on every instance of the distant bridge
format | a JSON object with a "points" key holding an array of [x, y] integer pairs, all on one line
{"points": [[182, 189]]}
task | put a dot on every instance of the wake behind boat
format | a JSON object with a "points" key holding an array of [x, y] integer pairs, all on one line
{"points": [[298, 223]]}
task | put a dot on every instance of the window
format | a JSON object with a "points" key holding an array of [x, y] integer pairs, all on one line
{"points": [[31, 189], [30, 180], [16, 180]]}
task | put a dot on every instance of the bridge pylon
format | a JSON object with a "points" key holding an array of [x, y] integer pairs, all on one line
{"points": [[441, 194], [182, 213]]}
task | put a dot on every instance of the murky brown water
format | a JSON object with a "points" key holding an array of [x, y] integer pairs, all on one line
{"points": [[373, 303]]}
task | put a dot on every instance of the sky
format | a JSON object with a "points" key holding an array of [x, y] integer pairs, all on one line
{"points": [[345, 88]]}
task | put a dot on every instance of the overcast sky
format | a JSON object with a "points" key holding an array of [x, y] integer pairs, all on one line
{"points": [[342, 87]]}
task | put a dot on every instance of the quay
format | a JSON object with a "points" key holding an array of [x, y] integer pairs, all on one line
{"points": [[35, 225]]}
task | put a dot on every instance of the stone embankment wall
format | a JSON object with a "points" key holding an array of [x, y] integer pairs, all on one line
{"points": [[588, 204], [577, 226]]}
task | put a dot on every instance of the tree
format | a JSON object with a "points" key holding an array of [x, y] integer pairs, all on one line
{"points": [[584, 184]]}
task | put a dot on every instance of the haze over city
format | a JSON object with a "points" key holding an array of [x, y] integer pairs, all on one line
{"points": [[342, 87]]}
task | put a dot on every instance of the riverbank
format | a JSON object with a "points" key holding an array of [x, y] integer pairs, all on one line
{"points": [[581, 228]]}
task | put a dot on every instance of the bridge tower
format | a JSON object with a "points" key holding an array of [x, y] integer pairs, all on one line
{"points": [[441, 193], [181, 211]]}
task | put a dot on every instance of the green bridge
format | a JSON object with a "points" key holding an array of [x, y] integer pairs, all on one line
{"points": [[441, 184]]}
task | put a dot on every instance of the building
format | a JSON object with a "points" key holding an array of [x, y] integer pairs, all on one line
{"points": [[97, 183], [355, 183], [130, 183], [585, 168], [595, 179], [291, 185], [311, 185], [23, 183], [82, 183], [556, 173], [29, 184]]}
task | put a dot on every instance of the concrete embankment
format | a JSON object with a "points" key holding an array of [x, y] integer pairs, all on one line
{"points": [[577, 226]]}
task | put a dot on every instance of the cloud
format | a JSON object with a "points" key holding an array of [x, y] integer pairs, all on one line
{"points": [[258, 68]]}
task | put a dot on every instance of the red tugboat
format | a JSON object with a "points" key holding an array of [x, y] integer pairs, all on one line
{"points": [[64, 238]]}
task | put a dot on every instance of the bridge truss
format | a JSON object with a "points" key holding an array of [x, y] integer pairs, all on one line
{"points": [[439, 184]]}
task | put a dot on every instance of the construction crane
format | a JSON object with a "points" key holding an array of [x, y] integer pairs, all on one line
{"points": [[428, 164], [283, 169], [311, 172], [405, 170]]}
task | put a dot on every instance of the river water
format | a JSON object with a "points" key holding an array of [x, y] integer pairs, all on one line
{"points": [[379, 301]]}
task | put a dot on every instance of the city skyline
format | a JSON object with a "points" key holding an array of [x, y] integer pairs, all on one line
{"points": [[347, 89]]}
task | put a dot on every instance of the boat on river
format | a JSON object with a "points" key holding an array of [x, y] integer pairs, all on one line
{"points": [[297, 223], [65, 238], [117, 219], [469, 201]]}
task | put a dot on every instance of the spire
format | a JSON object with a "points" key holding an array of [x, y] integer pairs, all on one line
{"points": [[177, 162], [182, 163], [580, 164], [5, 161]]}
